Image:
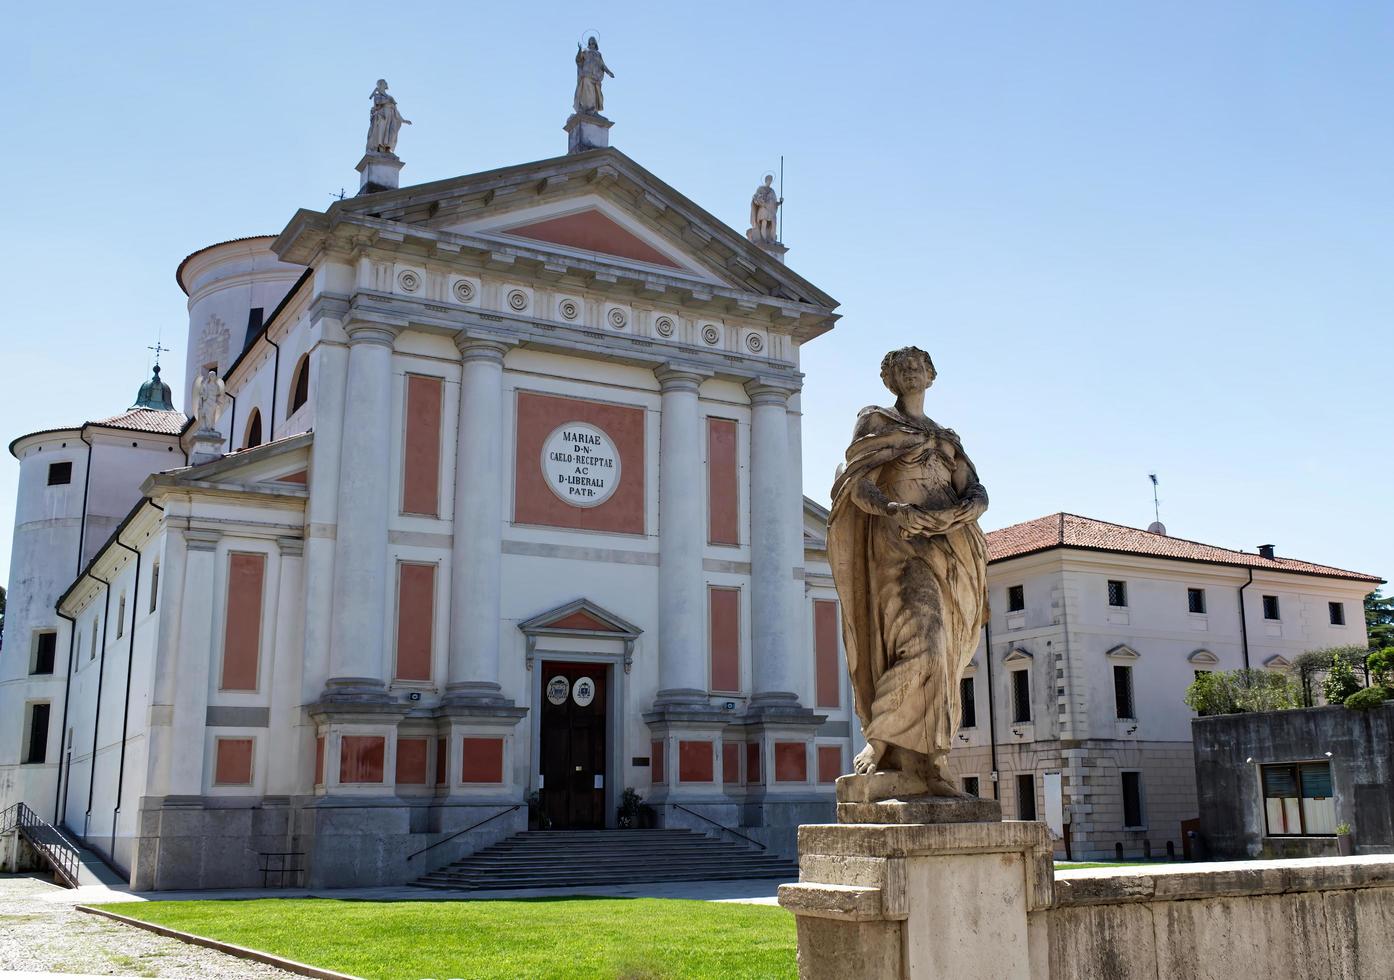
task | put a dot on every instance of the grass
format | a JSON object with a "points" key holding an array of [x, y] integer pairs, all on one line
{"points": [[1071, 865], [634, 939]]}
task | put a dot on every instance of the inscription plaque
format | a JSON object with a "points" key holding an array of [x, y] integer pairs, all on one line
{"points": [[581, 464]]}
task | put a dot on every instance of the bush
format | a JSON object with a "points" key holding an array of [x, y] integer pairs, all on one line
{"points": [[1381, 663], [1228, 692], [1340, 681], [1367, 698]]}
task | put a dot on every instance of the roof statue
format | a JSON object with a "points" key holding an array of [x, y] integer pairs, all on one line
{"points": [[208, 399], [384, 120], [910, 565], [590, 76], [764, 214], [154, 394]]}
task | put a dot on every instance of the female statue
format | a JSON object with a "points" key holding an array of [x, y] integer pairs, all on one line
{"points": [[384, 121], [910, 565]]}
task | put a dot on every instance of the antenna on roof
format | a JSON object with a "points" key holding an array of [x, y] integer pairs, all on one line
{"points": [[1156, 527]]}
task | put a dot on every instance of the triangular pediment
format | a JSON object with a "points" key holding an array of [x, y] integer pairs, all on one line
{"points": [[598, 206], [1122, 652], [280, 467], [1017, 655], [579, 617], [1203, 658], [1277, 662]]}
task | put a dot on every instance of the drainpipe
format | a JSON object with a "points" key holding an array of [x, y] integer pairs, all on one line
{"points": [[275, 380], [86, 483], [97, 715], [232, 424], [991, 711], [1243, 625], [64, 771], [126, 708]]}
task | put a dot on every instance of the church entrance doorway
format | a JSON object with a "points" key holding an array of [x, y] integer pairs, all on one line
{"points": [[572, 744]]}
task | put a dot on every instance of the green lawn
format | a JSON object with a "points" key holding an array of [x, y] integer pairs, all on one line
{"points": [[638, 939]]}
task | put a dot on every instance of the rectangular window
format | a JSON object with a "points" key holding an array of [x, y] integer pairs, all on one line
{"points": [[1026, 796], [121, 617], [421, 446], [827, 661], [723, 483], [970, 785], [154, 584], [1016, 598], [1297, 799], [1123, 691], [968, 716], [1132, 799], [37, 749], [1337, 611], [1195, 599], [724, 638], [242, 629], [45, 650], [1270, 607], [1021, 696], [1117, 593], [416, 615], [60, 474]]}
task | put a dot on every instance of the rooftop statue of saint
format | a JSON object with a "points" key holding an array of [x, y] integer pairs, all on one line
{"points": [[910, 565], [208, 397], [384, 121], [764, 214], [590, 76]]}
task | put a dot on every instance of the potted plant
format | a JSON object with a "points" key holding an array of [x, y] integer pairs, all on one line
{"points": [[1345, 843], [630, 809]]}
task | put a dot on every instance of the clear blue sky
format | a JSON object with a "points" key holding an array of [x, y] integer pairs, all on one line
{"points": [[1134, 237]]}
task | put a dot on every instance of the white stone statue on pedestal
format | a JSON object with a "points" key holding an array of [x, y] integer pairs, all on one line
{"points": [[764, 214], [208, 400], [590, 76], [384, 121]]}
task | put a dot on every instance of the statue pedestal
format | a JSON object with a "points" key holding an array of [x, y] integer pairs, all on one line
{"points": [[208, 446], [379, 172], [586, 131], [899, 900]]}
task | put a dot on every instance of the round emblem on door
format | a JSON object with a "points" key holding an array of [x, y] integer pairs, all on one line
{"points": [[557, 690], [583, 691]]}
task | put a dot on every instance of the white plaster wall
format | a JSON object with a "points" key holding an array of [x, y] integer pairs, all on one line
{"points": [[121, 462]]}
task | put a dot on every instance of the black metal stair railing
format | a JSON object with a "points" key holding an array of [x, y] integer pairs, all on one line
{"points": [[47, 840]]}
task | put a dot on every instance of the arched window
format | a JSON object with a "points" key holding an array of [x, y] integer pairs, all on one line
{"points": [[300, 384], [253, 430]]}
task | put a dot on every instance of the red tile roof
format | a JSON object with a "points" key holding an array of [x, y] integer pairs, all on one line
{"points": [[1072, 531], [146, 420]]}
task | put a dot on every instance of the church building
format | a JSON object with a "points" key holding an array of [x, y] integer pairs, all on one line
{"points": [[490, 508]]}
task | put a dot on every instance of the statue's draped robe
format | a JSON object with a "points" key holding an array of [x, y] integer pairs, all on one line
{"points": [[590, 76], [384, 123], [912, 607], [764, 207]]}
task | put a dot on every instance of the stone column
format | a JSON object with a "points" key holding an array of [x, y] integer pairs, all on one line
{"points": [[192, 666], [476, 556], [361, 566], [330, 362], [682, 593], [776, 671]]}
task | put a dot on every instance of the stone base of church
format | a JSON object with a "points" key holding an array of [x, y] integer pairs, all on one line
{"points": [[897, 901], [196, 843]]}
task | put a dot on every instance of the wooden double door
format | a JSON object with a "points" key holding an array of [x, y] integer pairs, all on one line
{"points": [[572, 747]]}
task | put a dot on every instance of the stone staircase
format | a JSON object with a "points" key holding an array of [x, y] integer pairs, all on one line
{"points": [[571, 858]]}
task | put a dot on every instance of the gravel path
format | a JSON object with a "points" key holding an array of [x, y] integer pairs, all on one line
{"points": [[41, 931]]}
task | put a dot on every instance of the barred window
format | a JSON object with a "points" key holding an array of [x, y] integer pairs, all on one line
{"points": [[1117, 593], [1270, 607], [1123, 691], [1195, 599], [968, 717], [1016, 598], [1021, 696], [1337, 611]]}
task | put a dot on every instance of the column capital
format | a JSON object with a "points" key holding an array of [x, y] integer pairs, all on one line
{"points": [[771, 391], [481, 348], [676, 377], [201, 539], [365, 332]]}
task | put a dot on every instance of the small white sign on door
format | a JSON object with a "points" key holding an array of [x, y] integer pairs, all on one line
{"points": [[558, 689], [583, 691]]}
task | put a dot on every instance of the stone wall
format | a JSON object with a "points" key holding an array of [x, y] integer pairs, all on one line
{"points": [[1229, 749], [1318, 919]]}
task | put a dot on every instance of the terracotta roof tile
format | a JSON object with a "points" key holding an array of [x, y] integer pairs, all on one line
{"points": [[1072, 531], [146, 420]]}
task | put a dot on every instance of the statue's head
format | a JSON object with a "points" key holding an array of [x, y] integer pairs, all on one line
{"points": [[769, 179], [593, 44], [906, 370], [382, 85]]}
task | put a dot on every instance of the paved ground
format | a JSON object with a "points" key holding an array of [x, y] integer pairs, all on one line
{"points": [[41, 932]]}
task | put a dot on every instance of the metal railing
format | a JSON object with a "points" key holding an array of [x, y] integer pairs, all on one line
{"points": [[47, 840], [714, 823], [446, 840]]}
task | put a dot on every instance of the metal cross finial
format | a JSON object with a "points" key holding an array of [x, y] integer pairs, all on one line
{"points": [[159, 348]]}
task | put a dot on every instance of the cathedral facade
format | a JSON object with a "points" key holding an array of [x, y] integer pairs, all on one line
{"points": [[491, 511]]}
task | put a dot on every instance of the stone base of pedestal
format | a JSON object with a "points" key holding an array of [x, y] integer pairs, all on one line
{"points": [[586, 131], [379, 172], [899, 901], [927, 810]]}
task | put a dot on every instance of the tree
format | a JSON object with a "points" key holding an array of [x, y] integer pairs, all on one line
{"points": [[1228, 692], [1340, 681], [1379, 620]]}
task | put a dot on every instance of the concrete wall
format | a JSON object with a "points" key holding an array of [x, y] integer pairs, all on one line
{"points": [[1229, 750], [1324, 920]]}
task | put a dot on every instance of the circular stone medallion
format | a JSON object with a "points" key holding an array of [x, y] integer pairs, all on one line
{"points": [[583, 691], [580, 464], [558, 689]]}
